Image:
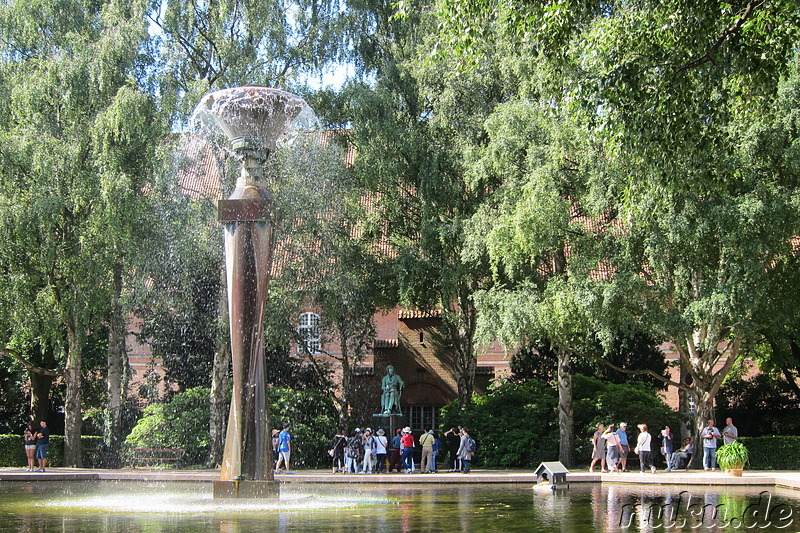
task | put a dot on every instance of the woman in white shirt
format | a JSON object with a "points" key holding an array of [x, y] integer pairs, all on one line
{"points": [[380, 450], [643, 449], [613, 448]]}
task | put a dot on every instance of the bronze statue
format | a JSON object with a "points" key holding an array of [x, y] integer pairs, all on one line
{"points": [[392, 386]]}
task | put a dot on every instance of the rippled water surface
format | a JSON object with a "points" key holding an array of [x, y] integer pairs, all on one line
{"points": [[45, 507]]}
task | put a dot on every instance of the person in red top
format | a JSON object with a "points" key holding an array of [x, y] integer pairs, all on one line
{"points": [[407, 447]]}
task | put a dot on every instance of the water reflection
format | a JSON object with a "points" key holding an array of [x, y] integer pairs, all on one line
{"points": [[165, 508]]}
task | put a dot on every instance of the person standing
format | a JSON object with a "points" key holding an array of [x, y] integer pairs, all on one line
{"points": [[407, 449], [380, 450], [338, 445], [667, 445], [613, 448], [30, 446], [466, 451], [284, 449], [426, 441], [42, 440], [396, 461], [625, 448], [370, 452], [643, 448], [435, 456], [598, 449], [729, 433], [352, 452], [453, 442], [710, 434]]}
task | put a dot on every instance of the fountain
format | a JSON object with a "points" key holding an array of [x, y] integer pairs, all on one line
{"points": [[253, 119]]}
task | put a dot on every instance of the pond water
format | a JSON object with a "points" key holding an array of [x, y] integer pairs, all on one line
{"points": [[170, 507]]}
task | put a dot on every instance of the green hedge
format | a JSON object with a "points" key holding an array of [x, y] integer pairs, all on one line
{"points": [[12, 452], [773, 452]]}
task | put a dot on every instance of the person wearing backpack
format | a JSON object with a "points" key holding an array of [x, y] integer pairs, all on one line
{"points": [[466, 450], [352, 452], [426, 440]]}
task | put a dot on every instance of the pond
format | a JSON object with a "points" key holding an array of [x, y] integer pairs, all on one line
{"points": [[76, 507]]}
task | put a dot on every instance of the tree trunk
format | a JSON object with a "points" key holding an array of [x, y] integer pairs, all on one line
{"points": [[462, 335], [705, 412], [219, 383], [465, 372], [566, 414], [685, 413], [117, 385], [40, 396], [73, 416]]}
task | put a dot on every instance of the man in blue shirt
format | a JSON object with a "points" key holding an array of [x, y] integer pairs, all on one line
{"points": [[42, 440], [284, 448], [623, 442]]}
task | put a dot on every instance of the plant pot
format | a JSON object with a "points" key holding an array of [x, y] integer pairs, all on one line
{"points": [[737, 472]]}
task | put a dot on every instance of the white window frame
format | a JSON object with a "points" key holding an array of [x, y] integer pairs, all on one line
{"points": [[309, 331]]}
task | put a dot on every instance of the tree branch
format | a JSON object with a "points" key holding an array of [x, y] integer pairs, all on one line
{"points": [[8, 352], [647, 372], [708, 57]]}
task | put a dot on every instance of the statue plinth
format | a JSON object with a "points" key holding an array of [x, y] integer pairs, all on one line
{"points": [[390, 423]]}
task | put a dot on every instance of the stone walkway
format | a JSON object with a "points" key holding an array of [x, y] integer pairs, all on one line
{"points": [[787, 479]]}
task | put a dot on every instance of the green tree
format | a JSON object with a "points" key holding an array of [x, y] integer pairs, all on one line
{"points": [[207, 46], [409, 128], [76, 132], [684, 101]]}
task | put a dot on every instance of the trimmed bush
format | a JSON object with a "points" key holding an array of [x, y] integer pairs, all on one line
{"points": [[773, 452], [13, 454]]}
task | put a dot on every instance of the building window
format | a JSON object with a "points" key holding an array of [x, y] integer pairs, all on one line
{"points": [[421, 417], [309, 332]]}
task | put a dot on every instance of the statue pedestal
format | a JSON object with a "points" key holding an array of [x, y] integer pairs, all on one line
{"points": [[246, 489], [390, 424]]}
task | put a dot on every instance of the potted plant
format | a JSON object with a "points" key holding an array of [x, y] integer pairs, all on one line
{"points": [[732, 457]]}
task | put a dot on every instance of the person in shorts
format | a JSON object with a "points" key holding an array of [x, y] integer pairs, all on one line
{"points": [[42, 440], [30, 447], [284, 448]]}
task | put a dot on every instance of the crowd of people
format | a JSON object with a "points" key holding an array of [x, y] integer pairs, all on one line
{"points": [[611, 447], [368, 452]]}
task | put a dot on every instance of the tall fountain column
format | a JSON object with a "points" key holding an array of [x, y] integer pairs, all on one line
{"points": [[252, 118]]}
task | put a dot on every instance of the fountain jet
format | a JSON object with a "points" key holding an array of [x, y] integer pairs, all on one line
{"points": [[253, 119]]}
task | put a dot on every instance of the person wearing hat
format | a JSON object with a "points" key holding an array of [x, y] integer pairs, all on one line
{"points": [[380, 450], [426, 441], [353, 452], [407, 449], [624, 446], [369, 443]]}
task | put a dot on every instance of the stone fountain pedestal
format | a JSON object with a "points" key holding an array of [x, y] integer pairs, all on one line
{"points": [[246, 489]]}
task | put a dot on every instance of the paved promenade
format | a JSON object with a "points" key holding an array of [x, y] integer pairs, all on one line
{"points": [[786, 479]]}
